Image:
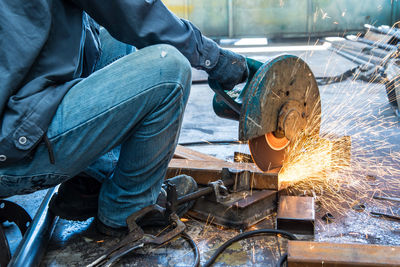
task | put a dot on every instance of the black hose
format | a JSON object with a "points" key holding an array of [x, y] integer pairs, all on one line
{"points": [[338, 78], [195, 249], [216, 142], [244, 236], [282, 260]]}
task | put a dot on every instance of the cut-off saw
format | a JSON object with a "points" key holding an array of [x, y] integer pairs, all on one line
{"points": [[279, 103]]}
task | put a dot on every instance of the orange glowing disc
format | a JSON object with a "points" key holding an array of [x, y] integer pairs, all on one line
{"points": [[276, 143]]}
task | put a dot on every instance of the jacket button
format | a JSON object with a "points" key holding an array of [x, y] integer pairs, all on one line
{"points": [[22, 140], [3, 158], [207, 63]]}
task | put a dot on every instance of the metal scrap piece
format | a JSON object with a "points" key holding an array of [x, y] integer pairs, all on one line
{"points": [[328, 217], [359, 207], [240, 210], [296, 215], [394, 199], [305, 253]]}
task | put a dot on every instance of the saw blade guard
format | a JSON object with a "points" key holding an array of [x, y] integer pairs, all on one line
{"points": [[282, 101]]}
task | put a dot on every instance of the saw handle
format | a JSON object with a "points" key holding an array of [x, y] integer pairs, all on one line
{"points": [[253, 65]]}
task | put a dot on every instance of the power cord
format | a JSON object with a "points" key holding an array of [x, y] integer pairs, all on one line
{"points": [[282, 260], [195, 249], [215, 142], [338, 78], [245, 235]]}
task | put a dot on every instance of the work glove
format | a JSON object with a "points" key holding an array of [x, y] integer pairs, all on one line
{"points": [[231, 69]]}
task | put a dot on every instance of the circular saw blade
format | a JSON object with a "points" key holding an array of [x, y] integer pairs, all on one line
{"points": [[264, 156], [276, 143]]}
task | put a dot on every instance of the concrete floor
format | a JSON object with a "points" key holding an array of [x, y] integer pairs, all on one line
{"points": [[77, 243]]}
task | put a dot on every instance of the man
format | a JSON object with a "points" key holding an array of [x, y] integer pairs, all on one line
{"points": [[76, 103]]}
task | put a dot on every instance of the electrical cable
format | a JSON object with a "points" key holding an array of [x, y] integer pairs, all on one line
{"points": [[338, 78], [282, 260], [195, 249], [216, 142], [244, 236]]}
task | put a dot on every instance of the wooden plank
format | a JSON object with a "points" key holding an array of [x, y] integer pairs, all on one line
{"points": [[182, 152], [305, 253], [207, 171]]}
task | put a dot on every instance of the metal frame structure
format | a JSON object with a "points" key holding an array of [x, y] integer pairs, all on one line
{"points": [[34, 242]]}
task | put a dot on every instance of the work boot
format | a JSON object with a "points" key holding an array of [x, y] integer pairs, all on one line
{"points": [[77, 198], [184, 185]]}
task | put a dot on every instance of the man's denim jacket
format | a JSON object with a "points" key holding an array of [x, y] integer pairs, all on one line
{"points": [[48, 46]]}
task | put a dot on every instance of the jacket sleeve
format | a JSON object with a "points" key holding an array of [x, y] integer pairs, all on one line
{"points": [[147, 22]]}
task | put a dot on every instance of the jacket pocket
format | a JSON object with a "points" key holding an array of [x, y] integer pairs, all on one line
{"points": [[27, 136]]}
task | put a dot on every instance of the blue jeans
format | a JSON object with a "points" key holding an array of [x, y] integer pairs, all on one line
{"points": [[120, 125]]}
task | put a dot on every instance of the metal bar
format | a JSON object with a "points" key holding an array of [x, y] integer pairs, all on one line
{"points": [[357, 48], [306, 253], [392, 31], [395, 199], [353, 58], [394, 217], [201, 192], [372, 43], [34, 243], [357, 54], [195, 195], [378, 53]]}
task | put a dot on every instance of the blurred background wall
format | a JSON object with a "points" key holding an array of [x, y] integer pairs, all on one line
{"points": [[284, 18]]}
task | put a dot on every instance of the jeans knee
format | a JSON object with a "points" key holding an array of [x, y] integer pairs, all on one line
{"points": [[172, 59], [159, 64]]}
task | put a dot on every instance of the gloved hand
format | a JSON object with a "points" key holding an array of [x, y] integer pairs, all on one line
{"points": [[231, 69]]}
